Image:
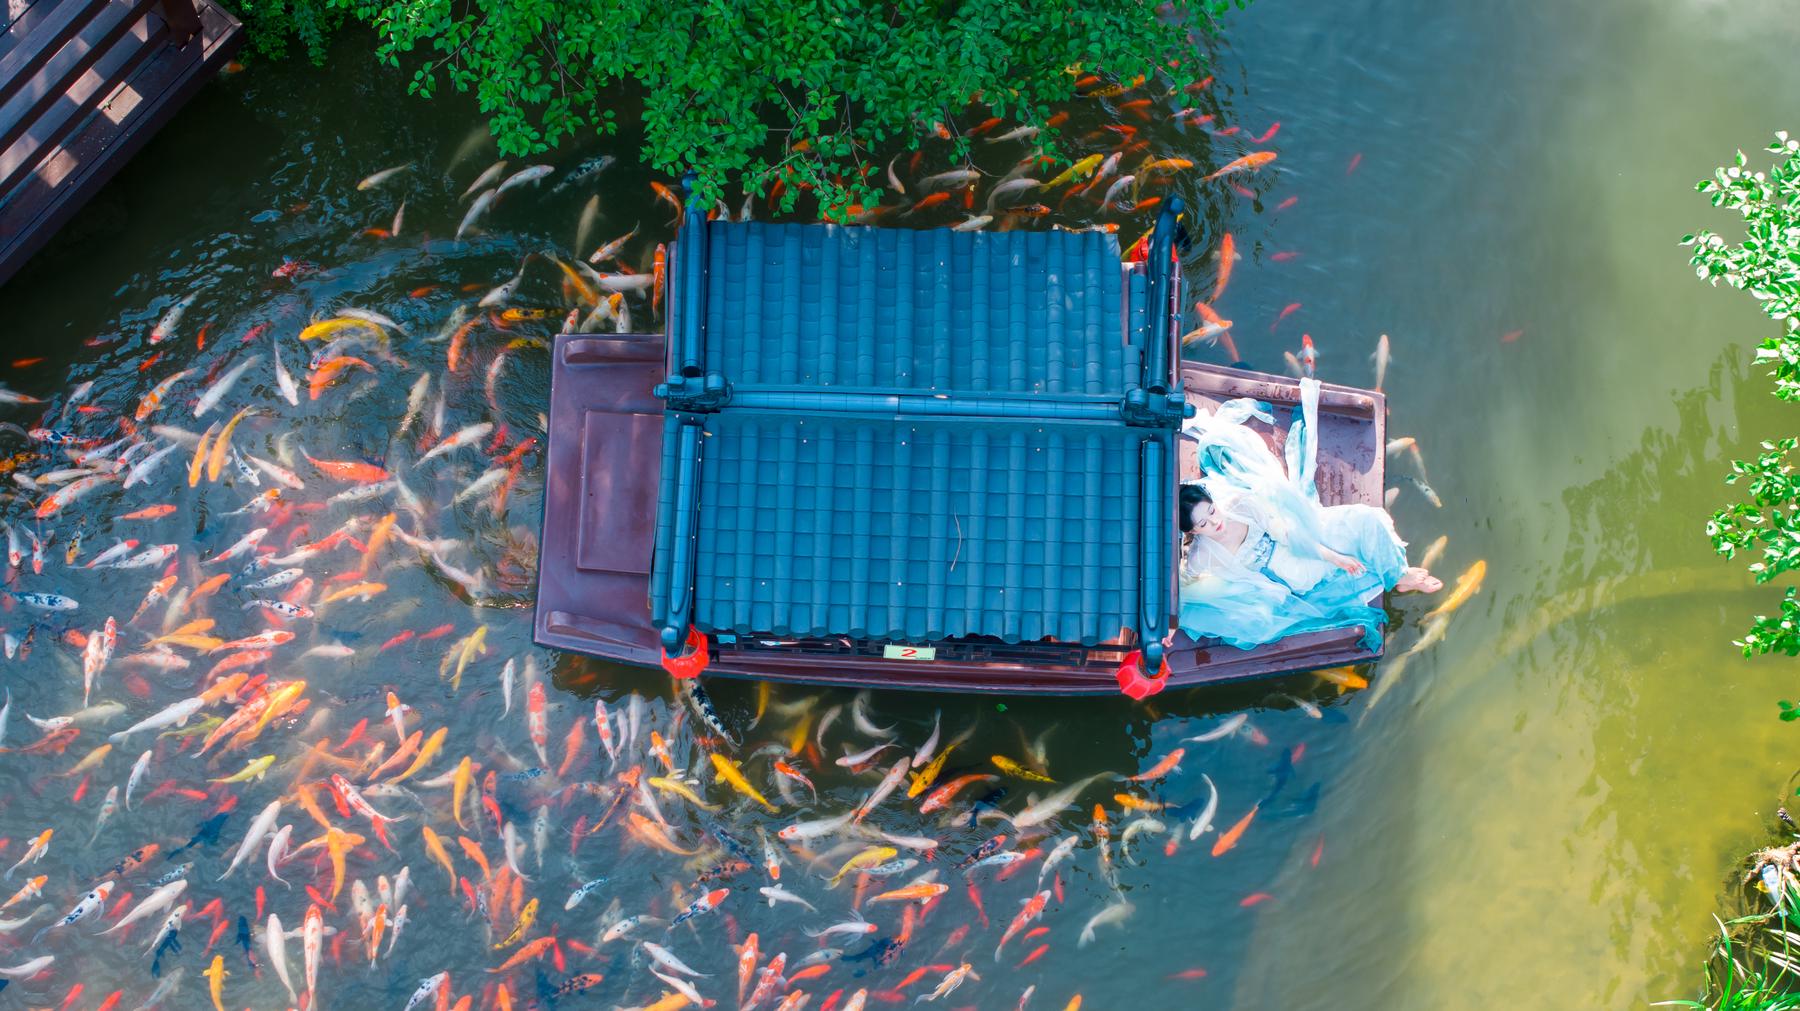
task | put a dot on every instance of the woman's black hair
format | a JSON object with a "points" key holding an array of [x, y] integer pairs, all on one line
{"points": [[1191, 496]]}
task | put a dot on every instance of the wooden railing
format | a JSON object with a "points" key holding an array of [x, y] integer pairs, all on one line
{"points": [[83, 84]]}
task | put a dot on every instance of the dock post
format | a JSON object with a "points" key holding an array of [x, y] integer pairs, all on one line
{"points": [[183, 19]]}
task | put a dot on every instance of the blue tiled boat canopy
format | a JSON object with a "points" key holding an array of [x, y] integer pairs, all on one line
{"points": [[833, 307], [815, 525], [910, 436]]}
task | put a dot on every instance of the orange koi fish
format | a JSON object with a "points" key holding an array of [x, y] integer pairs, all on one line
{"points": [[1169, 763], [378, 539], [1248, 163], [349, 470], [327, 372], [913, 893], [532, 950], [1227, 257], [434, 847], [472, 849], [652, 834], [1231, 835], [1343, 677]]}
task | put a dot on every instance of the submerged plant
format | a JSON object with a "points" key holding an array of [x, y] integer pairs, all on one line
{"points": [[1766, 263]]}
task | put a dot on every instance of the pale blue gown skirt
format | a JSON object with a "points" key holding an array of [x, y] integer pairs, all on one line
{"points": [[1247, 604]]}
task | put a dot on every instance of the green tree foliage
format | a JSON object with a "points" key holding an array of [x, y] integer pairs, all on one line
{"points": [[752, 91], [1766, 263]]}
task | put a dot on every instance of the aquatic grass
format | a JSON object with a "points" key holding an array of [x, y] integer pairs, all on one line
{"points": [[1754, 961], [1734, 982]]}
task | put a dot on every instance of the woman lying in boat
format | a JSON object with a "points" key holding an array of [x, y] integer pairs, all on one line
{"points": [[1262, 558]]}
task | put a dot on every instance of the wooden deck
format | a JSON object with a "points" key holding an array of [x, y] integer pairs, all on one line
{"points": [[83, 84]]}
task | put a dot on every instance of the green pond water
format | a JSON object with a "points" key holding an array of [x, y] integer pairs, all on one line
{"points": [[1542, 811]]}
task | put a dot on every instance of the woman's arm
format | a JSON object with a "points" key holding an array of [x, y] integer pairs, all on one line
{"points": [[1345, 562]]}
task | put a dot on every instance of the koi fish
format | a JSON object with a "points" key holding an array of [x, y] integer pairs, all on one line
{"points": [[68, 494], [729, 772], [1166, 166], [1248, 163], [1229, 838], [1114, 914], [965, 971], [921, 893], [1467, 585], [312, 946], [531, 950], [1014, 769], [254, 769], [171, 319], [383, 176], [526, 917], [348, 470], [33, 888], [467, 436], [1079, 170], [704, 904]]}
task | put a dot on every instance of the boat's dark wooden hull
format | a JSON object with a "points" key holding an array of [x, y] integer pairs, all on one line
{"points": [[600, 505]]}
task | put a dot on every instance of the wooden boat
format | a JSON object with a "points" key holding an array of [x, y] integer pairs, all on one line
{"points": [[902, 459]]}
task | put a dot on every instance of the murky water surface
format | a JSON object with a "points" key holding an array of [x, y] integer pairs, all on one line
{"points": [[1539, 810]]}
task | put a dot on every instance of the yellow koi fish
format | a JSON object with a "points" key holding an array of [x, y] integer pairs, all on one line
{"points": [[94, 758], [325, 328], [195, 627], [729, 772], [922, 780], [1012, 768], [1467, 585], [279, 702], [199, 461], [434, 847], [681, 790], [459, 787], [867, 858], [363, 590], [429, 751], [337, 843], [378, 538], [215, 978], [253, 770], [215, 462], [1080, 170], [526, 916]]}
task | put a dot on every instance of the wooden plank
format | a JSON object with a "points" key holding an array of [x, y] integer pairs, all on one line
{"points": [[22, 13], [44, 40], [57, 119], [51, 83], [119, 127]]}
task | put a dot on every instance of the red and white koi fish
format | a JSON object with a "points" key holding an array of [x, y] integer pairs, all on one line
{"points": [[537, 723]]}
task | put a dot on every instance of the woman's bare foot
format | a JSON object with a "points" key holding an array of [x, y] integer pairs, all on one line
{"points": [[1417, 580]]}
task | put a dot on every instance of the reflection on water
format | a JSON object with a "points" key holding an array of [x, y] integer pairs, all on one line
{"points": [[1545, 807]]}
